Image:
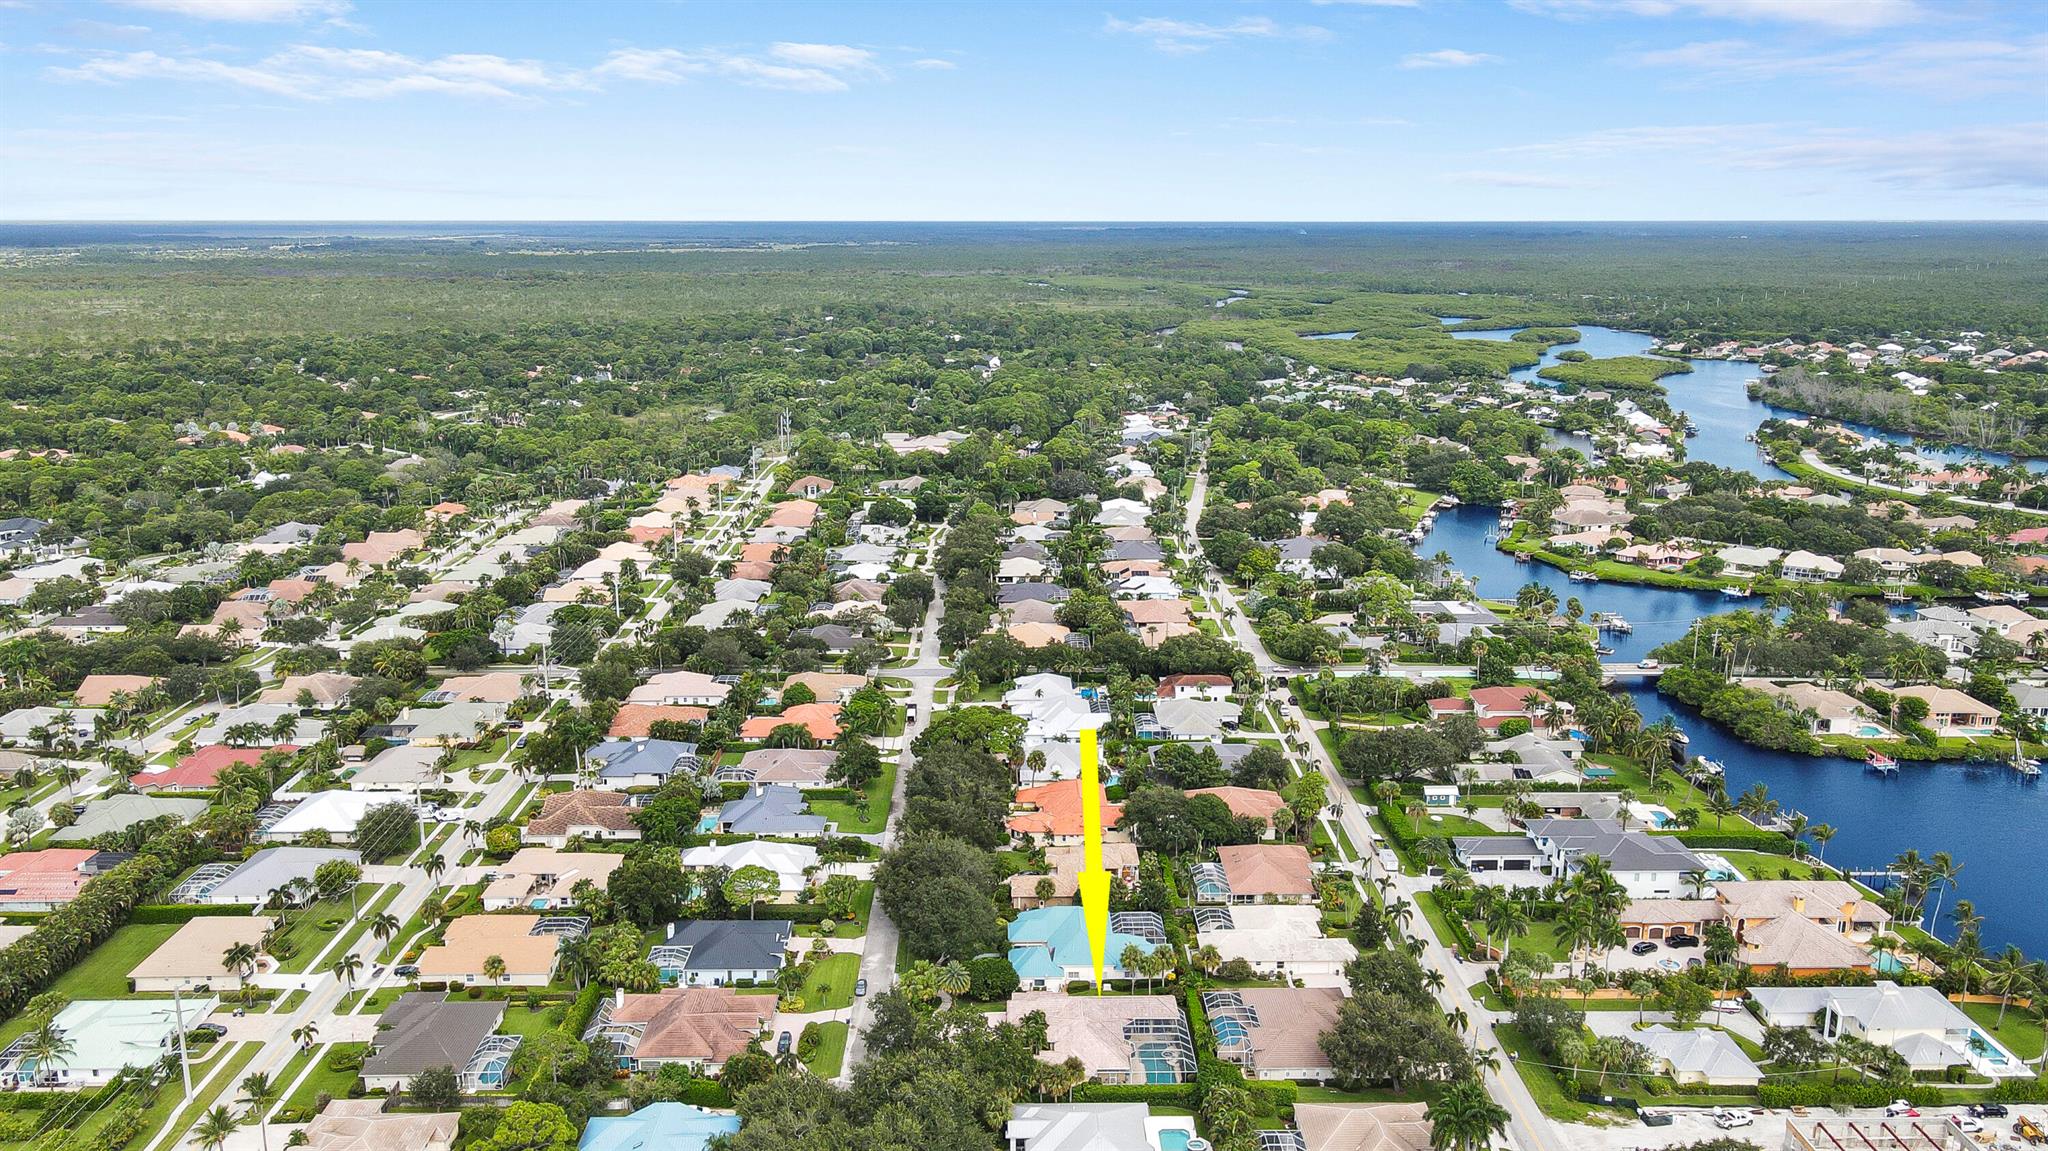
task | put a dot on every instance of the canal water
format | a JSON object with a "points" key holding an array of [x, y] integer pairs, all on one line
{"points": [[1988, 818]]}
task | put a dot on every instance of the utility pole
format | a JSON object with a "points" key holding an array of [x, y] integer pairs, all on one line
{"points": [[184, 1058]]}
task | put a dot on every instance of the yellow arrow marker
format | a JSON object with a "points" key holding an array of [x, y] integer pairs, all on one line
{"points": [[1093, 880]]}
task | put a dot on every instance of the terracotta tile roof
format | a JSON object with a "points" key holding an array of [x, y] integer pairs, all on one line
{"points": [[1058, 810], [1267, 869], [710, 1024], [634, 720], [202, 768], [94, 690], [820, 719], [1252, 801], [570, 809]]}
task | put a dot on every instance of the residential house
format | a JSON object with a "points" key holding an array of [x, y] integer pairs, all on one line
{"points": [[658, 1127], [820, 720], [1063, 869], [363, 1125], [117, 813], [544, 879], [1189, 720], [1049, 945], [525, 943], [625, 764], [637, 720], [320, 690], [1808, 567], [797, 767], [1355, 1127], [106, 1037], [1256, 873], [723, 952], [1277, 939], [1918, 1022], [1826, 710], [792, 863], [42, 880], [1274, 1033], [193, 958], [1647, 867], [687, 688], [1743, 562], [1094, 1127], [770, 809], [1246, 802], [698, 1027], [810, 486], [1950, 712], [252, 882], [1052, 813], [424, 1030], [1118, 1039], [1703, 1057], [1194, 686], [566, 815]]}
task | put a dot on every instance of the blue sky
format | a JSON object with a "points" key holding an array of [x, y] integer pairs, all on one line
{"points": [[1120, 110]]}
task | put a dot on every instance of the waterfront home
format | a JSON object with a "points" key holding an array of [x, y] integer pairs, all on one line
{"points": [[2032, 699], [1950, 712], [600, 815], [1278, 940], [1256, 873], [1826, 710], [1742, 562], [544, 879], [1952, 638], [1658, 557], [660, 1126], [1273, 1033], [1063, 869], [1659, 919], [1456, 620], [1118, 1038], [1049, 945], [1297, 557], [723, 952], [106, 1037], [1808, 567], [1599, 515], [1702, 1057], [1917, 1022], [1647, 867], [427, 1029]]}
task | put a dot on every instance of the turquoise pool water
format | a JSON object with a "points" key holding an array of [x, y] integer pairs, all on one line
{"points": [[707, 825], [1173, 1140]]}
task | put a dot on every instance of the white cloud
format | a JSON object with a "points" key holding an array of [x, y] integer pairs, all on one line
{"points": [[934, 64], [830, 57], [1943, 67], [1184, 36], [1447, 58], [313, 72], [675, 66], [1835, 15], [245, 11]]}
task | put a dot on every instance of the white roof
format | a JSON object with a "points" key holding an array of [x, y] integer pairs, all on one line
{"points": [[336, 812]]}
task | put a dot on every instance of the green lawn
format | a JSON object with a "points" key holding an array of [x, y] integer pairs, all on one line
{"points": [[104, 973], [1549, 1092], [831, 1053], [309, 933], [2020, 1035], [324, 1078], [829, 986], [1447, 821], [856, 818], [1759, 865], [848, 929], [519, 1021], [181, 1119]]}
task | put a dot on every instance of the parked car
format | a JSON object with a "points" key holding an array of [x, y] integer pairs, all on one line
{"points": [[1648, 664], [1676, 941], [212, 1028], [1900, 1109], [1643, 947], [1989, 1110], [1728, 1120], [860, 988], [407, 971], [1966, 1124], [782, 1044], [1728, 1006]]}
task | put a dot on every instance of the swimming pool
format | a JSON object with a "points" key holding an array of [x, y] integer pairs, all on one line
{"points": [[1174, 1139], [1982, 1046]]}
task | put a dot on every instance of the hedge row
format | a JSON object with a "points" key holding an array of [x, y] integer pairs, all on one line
{"points": [[1846, 1093], [183, 912], [1167, 1094], [578, 1016], [1769, 843]]}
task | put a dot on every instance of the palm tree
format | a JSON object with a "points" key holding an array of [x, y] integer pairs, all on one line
{"points": [[1208, 959], [348, 967], [1696, 880], [2007, 976], [305, 1033], [1943, 868], [1506, 921], [214, 1128], [1465, 1118], [384, 925], [48, 1047], [434, 866], [257, 1092], [1130, 959], [953, 979], [1642, 989], [494, 969], [1820, 833]]}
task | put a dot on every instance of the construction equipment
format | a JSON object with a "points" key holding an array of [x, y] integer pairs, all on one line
{"points": [[2028, 1130]]}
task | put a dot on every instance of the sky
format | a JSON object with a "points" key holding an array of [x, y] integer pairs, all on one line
{"points": [[1353, 110]]}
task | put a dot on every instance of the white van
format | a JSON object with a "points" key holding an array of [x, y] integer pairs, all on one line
{"points": [[1389, 860]]}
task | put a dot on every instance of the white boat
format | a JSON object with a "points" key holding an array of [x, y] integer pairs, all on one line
{"points": [[1705, 766], [1880, 762], [1729, 592], [1615, 623], [1577, 576]]}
